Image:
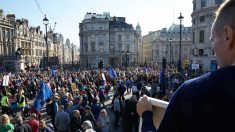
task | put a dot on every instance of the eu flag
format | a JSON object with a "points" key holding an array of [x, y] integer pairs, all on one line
{"points": [[53, 72], [112, 72], [162, 77], [44, 94]]}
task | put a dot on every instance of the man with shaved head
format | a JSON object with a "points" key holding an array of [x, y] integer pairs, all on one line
{"points": [[206, 103]]}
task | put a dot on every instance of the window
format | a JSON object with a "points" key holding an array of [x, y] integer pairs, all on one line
{"points": [[93, 47], [128, 48], [111, 38], [200, 52], [194, 21], [193, 37], [119, 38], [203, 3], [100, 38], [0, 34], [201, 39], [120, 46], [218, 1], [202, 18], [101, 47], [86, 47], [194, 6], [127, 37]]}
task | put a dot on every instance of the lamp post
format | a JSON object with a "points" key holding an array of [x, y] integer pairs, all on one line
{"points": [[126, 53], [170, 51], [179, 62], [72, 54], [46, 22]]}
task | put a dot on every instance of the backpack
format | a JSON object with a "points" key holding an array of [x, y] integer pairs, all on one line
{"points": [[50, 109]]}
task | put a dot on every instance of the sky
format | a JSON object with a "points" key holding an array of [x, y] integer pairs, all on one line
{"points": [[152, 15]]}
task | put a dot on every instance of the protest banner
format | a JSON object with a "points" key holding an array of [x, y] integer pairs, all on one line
{"points": [[74, 87], [5, 80]]}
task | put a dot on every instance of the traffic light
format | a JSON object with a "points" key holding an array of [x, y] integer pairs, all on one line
{"points": [[101, 64], [164, 63]]}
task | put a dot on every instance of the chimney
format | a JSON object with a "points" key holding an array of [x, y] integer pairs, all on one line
{"points": [[1, 12], [11, 17]]}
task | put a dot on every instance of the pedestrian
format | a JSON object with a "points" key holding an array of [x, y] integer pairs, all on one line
{"points": [[43, 127], [117, 110], [21, 101], [87, 126], [88, 116], [5, 124], [62, 120], [34, 124], [76, 122], [132, 115], [20, 126], [5, 103], [103, 122], [205, 103]]}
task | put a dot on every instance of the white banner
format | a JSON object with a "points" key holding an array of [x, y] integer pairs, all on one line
{"points": [[5, 80]]}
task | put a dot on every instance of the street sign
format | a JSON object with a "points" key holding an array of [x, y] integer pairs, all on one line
{"points": [[195, 66]]}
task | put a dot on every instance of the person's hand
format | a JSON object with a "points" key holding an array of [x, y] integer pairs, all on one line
{"points": [[143, 105]]}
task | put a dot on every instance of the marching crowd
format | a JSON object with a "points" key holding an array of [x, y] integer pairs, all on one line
{"points": [[76, 102]]}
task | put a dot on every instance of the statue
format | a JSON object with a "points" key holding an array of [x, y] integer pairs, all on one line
{"points": [[19, 54]]}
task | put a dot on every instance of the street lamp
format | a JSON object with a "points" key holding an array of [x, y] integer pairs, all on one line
{"points": [[170, 51], [126, 53], [72, 54], [179, 62], [46, 22]]}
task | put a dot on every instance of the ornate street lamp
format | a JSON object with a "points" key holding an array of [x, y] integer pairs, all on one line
{"points": [[46, 22], [179, 62], [170, 51]]}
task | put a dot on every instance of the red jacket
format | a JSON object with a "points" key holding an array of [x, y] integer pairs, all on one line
{"points": [[34, 125]]}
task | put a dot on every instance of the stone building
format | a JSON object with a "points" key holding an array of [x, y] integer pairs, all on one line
{"points": [[108, 38], [166, 42], [7, 41], [203, 16]]}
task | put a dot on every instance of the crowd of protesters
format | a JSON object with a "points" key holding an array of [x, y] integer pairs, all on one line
{"points": [[78, 100]]}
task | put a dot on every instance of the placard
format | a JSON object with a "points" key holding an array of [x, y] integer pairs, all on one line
{"points": [[74, 87], [5, 80]]}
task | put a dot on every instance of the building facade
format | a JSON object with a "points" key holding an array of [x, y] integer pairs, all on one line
{"points": [[16, 36], [7, 41], [166, 43], [107, 38], [203, 16]]}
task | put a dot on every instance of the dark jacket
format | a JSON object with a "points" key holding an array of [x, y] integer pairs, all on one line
{"points": [[45, 129], [22, 128], [89, 117], [203, 104], [147, 125], [75, 124]]}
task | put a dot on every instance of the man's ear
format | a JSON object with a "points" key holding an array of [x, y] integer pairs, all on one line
{"points": [[229, 36]]}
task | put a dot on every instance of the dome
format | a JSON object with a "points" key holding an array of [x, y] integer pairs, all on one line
{"points": [[174, 28]]}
